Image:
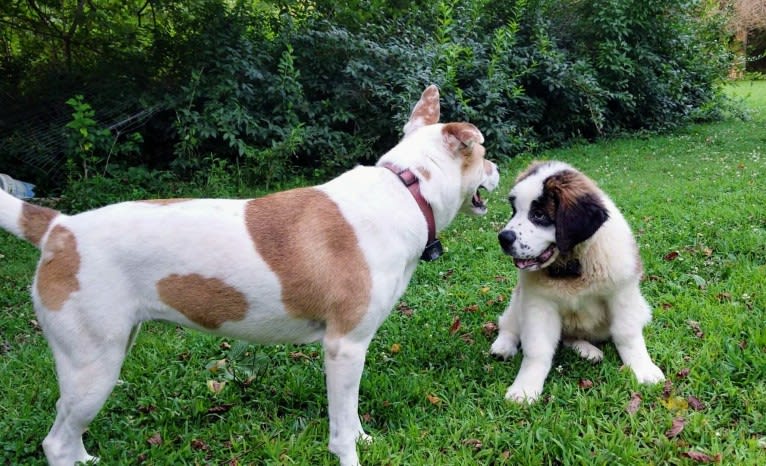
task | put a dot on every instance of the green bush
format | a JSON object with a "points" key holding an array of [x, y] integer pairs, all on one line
{"points": [[288, 89]]}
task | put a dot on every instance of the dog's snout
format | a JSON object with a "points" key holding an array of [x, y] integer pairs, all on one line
{"points": [[506, 238]]}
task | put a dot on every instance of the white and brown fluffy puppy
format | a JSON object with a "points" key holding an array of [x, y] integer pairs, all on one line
{"points": [[325, 263], [579, 273]]}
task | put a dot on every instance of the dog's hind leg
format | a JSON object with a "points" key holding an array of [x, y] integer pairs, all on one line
{"points": [[344, 362], [87, 364]]}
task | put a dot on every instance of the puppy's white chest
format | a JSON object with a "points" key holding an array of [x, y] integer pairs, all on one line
{"points": [[585, 318]]}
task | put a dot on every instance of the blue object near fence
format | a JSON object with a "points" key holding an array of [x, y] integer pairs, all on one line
{"points": [[20, 189]]}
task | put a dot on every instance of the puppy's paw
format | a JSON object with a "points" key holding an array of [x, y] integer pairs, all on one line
{"points": [[504, 347], [648, 373], [519, 394], [586, 350]]}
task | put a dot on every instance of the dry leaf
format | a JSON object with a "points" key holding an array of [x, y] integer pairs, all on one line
{"points": [[225, 345], [635, 402], [489, 329], [695, 326], [155, 439], [216, 366], [683, 373], [198, 444], [667, 389], [675, 403], [215, 386], [455, 326], [471, 308], [434, 400], [405, 309], [220, 409], [585, 384], [395, 348], [671, 256], [702, 457], [675, 428], [695, 403], [484, 289], [474, 443]]}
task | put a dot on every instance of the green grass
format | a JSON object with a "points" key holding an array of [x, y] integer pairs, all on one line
{"points": [[439, 398]]}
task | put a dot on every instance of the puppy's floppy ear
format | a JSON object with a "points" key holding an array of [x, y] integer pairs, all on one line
{"points": [[461, 137], [579, 210], [426, 111]]}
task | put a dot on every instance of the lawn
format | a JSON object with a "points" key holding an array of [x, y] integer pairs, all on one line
{"points": [[431, 395]]}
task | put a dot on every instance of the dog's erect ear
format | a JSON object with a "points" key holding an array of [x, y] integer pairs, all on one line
{"points": [[579, 211], [461, 137], [426, 111]]}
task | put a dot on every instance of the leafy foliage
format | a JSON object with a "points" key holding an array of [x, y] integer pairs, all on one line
{"points": [[279, 89]]}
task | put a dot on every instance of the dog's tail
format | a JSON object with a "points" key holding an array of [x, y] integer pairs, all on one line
{"points": [[25, 220]]}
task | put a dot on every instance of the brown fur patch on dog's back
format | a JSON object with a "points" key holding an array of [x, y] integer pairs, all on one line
{"points": [[35, 221], [57, 274], [304, 238], [208, 301]]}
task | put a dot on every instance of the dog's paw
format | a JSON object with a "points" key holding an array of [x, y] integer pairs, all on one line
{"points": [[504, 347], [648, 374], [586, 350], [519, 394], [364, 439]]}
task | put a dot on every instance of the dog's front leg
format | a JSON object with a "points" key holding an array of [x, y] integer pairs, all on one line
{"points": [[344, 362], [540, 333], [630, 312]]}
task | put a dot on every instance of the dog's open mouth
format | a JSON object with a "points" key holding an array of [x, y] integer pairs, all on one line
{"points": [[536, 262], [477, 203]]}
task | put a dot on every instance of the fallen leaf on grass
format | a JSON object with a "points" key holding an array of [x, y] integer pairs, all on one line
{"points": [[695, 326], [155, 439], [471, 308], [434, 400], [484, 289], [215, 366], [585, 384], [395, 348], [635, 402], [683, 373], [455, 326], [489, 329], [695, 404], [671, 256], [215, 386], [405, 309], [220, 409], [702, 457], [667, 389], [198, 444], [473, 443], [675, 428], [675, 403]]}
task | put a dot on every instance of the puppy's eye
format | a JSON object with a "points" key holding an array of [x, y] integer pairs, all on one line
{"points": [[539, 216]]}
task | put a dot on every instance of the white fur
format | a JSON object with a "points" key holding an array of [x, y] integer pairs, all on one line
{"points": [[126, 248], [605, 302]]}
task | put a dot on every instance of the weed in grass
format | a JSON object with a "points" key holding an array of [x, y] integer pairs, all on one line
{"points": [[695, 199]]}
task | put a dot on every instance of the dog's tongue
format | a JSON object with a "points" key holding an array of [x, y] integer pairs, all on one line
{"points": [[476, 200], [525, 263]]}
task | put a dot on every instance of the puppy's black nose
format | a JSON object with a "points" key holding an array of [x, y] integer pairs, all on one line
{"points": [[506, 238]]}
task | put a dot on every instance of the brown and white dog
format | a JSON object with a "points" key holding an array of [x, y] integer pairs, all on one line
{"points": [[325, 263], [579, 273]]}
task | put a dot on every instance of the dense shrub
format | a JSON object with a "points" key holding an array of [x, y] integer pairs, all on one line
{"points": [[275, 90]]}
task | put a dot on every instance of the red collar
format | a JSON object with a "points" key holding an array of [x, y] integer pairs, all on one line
{"points": [[412, 183]]}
